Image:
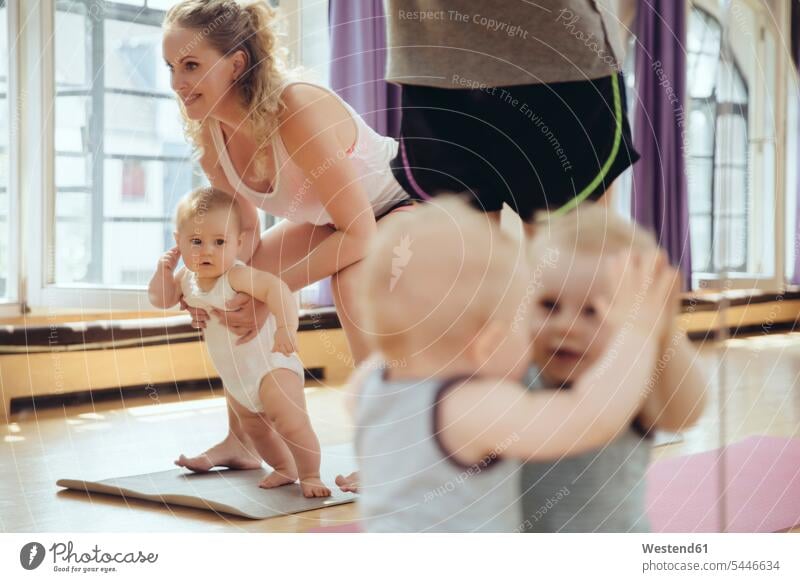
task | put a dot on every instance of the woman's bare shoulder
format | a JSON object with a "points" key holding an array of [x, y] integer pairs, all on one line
{"points": [[310, 110], [296, 96]]}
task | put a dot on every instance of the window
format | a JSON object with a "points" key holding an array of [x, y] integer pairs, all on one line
{"points": [[133, 176], [717, 161], [732, 151], [315, 46], [732, 146], [8, 129], [121, 159]]}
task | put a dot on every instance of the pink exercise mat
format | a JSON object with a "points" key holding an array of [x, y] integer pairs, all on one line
{"points": [[762, 490]]}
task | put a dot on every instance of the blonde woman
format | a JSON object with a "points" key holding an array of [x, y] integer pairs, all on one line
{"points": [[297, 151]]}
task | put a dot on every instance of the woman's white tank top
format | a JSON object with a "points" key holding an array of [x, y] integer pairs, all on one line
{"points": [[295, 195]]}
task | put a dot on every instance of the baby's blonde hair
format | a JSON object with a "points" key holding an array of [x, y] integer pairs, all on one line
{"points": [[589, 229], [201, 201], [229, 26], [436, 276]]}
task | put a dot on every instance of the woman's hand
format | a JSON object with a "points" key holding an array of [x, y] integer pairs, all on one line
{"points": [[245, 318], [199, 316]]}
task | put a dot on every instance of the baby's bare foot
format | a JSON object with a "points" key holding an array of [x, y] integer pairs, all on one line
{"points": [[348, 484], [229, 453], [314, 487], [279, 477]]}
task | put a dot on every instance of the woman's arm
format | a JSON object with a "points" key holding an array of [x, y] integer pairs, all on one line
{"points": [[311, 132], [280, 301], [251, 229]]}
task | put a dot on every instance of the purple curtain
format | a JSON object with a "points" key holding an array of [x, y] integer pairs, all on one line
{"points": [[795, 15], [660, 192], [358, 63]]}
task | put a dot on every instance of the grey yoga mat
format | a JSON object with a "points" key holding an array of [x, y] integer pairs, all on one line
{"points": [[227, 491]]}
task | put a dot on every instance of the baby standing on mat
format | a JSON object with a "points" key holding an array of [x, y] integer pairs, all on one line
{"points": [[263, 378]]}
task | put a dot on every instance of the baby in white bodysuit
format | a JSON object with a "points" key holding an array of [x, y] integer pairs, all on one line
{"points": [[263, 378]]}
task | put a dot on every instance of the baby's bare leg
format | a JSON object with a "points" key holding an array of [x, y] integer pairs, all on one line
{"points": [[285, 405], [235, 451], [269, 445], [274, 451]]}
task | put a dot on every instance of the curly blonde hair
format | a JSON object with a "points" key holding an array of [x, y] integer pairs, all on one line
{"points": [[229, 26]]}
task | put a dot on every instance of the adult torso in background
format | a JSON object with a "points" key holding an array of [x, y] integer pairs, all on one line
{"points": [[495, 43]]}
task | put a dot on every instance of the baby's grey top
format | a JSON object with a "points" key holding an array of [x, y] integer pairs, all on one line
{"points": [[409, 481]]}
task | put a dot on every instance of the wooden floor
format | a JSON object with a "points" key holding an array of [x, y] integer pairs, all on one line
{"points": [[759, 378]]}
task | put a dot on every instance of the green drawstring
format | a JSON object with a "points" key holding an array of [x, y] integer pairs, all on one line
{"points": [[607, 166]]}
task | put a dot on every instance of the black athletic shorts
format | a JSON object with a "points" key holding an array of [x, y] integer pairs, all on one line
{"points": [[534, 147]]}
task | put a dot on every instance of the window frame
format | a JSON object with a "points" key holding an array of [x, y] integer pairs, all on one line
{"points": [[38, 161], [98, 92], [714, 101], [778, 28], [13, 304]]}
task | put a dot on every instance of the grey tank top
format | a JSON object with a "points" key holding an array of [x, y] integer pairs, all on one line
{"points": [[408, 482], [459, 44], [598, 491]]}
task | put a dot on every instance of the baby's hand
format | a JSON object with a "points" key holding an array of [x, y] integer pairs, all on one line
{"points": [[169, 260], [642, 286], [285, 341], [658, 302]]}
